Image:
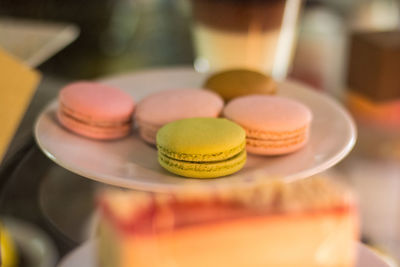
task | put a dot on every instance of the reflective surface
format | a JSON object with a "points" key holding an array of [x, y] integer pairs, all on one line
{"points": [[67, 201]]}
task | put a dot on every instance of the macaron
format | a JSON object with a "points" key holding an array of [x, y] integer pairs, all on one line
{"points": [[95, 110], [163, 107], [239, 82], [274, 125], [202, 147]]}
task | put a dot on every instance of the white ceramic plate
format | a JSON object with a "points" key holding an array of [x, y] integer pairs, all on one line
{"points": [[85, 256], [131, 163]]}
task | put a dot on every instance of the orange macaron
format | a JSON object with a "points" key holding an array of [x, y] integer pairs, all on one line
{"points": [[274, 125]]}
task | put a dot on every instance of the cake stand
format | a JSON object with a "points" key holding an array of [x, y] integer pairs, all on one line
{"points": [[131, 163]]}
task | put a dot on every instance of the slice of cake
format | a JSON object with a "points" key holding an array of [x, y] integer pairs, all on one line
{"points": [[308, 223]]}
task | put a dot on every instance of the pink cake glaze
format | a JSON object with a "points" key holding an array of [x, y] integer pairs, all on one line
{"points": [[96, 101], [274, 125], [95, 110], [163, 107]]}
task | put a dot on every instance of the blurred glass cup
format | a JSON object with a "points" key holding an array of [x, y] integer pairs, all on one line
{"points": [[255, 34]]}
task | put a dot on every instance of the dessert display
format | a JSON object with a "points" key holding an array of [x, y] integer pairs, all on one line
{"points": [[160, 108], [201, 147], [183, 123], [234, 221], [96, 111], [274, 125], [239, 82], [132, 163], [311, 222]]}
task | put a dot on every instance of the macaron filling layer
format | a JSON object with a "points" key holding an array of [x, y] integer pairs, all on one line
{"points": [[148, 125], [200, 169], [274, 143], [256, 138], [148, 131], [276, 135], [79, 118], [93, 131], [211, 157], [148, 135]]}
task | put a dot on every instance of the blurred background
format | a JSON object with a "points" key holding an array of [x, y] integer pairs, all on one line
{"points": [[121, 35], [338, 44]]}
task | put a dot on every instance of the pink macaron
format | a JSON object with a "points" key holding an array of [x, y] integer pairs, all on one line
{"points": [[274, 125], [163, 107], [95, 110]]}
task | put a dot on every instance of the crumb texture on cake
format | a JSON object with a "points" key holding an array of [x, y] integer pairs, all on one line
{"points": [[312, 222], [146, 213]]}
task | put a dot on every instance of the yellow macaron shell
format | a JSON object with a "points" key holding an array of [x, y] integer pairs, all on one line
{"points": [[204, 169], [201, 139], [209, 145]]}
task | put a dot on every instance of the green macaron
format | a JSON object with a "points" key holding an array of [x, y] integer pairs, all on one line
{"points": [[202, 147]]}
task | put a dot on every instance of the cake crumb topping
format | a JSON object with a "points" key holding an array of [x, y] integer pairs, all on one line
{"points": [[261, 196]]}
